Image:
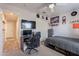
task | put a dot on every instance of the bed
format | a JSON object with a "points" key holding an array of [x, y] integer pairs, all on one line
{"points": [[66, 43]]}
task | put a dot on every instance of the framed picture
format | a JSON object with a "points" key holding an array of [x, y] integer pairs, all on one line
{"points": [[64, 20], [54, 21]]}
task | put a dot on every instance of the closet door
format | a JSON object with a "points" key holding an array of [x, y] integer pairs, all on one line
{"points": [[11, 43]]}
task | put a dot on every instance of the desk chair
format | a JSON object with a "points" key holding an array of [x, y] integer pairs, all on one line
{"points": [[33, 42]]}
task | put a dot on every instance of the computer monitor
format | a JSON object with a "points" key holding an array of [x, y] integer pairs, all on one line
{"points": [[27, 32], [28, 24]]}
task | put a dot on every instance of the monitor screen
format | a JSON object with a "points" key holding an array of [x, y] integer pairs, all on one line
{"points": [[28, 25]]}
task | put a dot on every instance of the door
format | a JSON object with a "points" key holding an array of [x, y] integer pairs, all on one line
{"points": [[11, 44]]}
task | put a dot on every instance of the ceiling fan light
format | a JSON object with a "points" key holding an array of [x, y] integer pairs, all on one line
{"points": [[51, 6]]}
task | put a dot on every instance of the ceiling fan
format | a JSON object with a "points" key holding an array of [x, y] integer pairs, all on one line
{"points": [[43, 11]]}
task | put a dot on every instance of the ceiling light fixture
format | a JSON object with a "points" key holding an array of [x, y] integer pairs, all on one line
{"points": [[51, 6]]}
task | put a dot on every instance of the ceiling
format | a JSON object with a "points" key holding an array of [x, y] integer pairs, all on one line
{"points": [[43, 9]]}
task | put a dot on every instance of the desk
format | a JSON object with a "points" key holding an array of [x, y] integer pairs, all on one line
{"points": [[23, 40]]}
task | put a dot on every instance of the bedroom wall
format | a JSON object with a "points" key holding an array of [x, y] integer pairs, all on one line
{"points": [[1, 33], [66, 29], [42, 25]]}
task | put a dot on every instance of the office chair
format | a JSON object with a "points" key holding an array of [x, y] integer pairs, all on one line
{"points": [[33, 42]]}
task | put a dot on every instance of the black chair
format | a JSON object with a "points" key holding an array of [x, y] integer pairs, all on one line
{"points": [[33, 42]]}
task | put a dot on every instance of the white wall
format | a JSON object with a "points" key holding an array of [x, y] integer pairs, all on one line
{"points": [[66, 29], [1, 33], [41, 24]]}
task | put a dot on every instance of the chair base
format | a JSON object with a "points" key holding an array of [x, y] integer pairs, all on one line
{"points": [[30, 49]]}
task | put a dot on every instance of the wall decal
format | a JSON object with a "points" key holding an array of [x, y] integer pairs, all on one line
{"points": [[54, 21], [42, 17], [46, 18], [75, 26], [64, 20], [37, 15], [75, 23], [74, 13]]}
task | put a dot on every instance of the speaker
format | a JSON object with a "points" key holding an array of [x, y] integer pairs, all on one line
{"points": [[50, 32]]}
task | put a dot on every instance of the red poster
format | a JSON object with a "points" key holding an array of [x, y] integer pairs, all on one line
{"points": [[75, 26]]}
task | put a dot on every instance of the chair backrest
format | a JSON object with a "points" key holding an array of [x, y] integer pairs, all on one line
{"points": [[37, 35], [36, 39]]}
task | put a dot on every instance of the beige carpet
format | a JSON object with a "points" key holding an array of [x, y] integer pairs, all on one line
{"points": [[42, 51]]}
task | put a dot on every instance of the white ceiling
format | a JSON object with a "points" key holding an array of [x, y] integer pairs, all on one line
{"points": [[30, 6], [43, 7], [33, 7], [65, 7]]}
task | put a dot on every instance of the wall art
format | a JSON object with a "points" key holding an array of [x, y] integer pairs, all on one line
{"points": [[64, 20], [54, 21]]}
